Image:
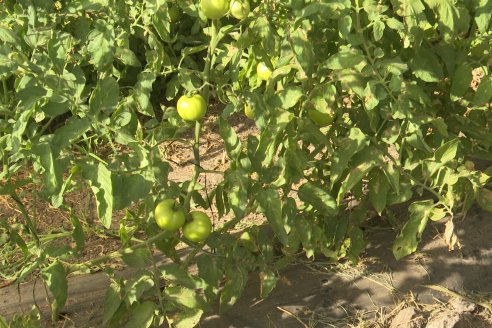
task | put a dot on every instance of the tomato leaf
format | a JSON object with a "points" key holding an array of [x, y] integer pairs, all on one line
{"points": [[484, 91], [320, 199], [406, 242], [105, 96], [271, 206], [347, 148], [101, 45], [378, 190], [187, 319], [56, 279], [182, 296], [137, 258], [142, 315], [99, 179], [112, 301], [484, 199], [268, 281], [426, 66], [231, 140]]}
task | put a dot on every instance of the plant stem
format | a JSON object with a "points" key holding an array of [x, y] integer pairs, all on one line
{"points": [[214, 30], [5, 92], [116, 254]]}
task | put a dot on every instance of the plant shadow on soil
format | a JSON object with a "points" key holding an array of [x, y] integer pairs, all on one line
{"points": [[327, 299]]}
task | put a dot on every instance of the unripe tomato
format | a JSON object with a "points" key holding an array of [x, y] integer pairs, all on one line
{"points": [[199, 228], [263, 71], [214, 9], [169, 216], [249, 112], [320, 118], [240, 8], [192, 108]]}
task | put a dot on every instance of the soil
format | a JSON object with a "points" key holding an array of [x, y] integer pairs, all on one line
{"points": [[309, 293]]}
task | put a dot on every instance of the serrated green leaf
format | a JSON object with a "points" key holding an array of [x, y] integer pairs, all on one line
{"points": [[233, 287], [137, 258], [55, 278], [271, 206], [101, 45], [347, 58], [112, 301], [484, 199], [354, 177], [182, 296], [105, 96], [378, 190], [378, 30], [426, 66], [484, 91], [461, 81], [447, 152], [406, 242], [129, 188], [77, 232], [8, 36], [188, 319], [127, 57], [137, 285], [142, 92], [287, 98], [452, 17], [99, 179], [346, 149], [303, 49], [268, 280], [175, 273], [320, 199], [230, 138], [483, 13], [142, 315]]}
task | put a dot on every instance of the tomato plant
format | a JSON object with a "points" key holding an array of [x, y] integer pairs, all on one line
{"points": [[367, 105]]}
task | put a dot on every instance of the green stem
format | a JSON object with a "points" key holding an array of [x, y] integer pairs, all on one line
{"points": [[29, 223], [214, 33], [5, 92], [157, 281], [116, 254]]}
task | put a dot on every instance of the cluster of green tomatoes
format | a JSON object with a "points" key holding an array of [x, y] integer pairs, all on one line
{"points": [[194, 107], [170, 216]]}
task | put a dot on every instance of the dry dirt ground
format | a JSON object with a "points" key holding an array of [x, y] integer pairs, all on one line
{"points": [[434, 288]]}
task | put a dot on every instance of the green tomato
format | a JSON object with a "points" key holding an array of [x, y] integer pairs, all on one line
{"points": [[214, 9], [320, 118], [240, 8], [249, 112], [192, 108], [263, 71], [169, 216], [199, 228]]}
